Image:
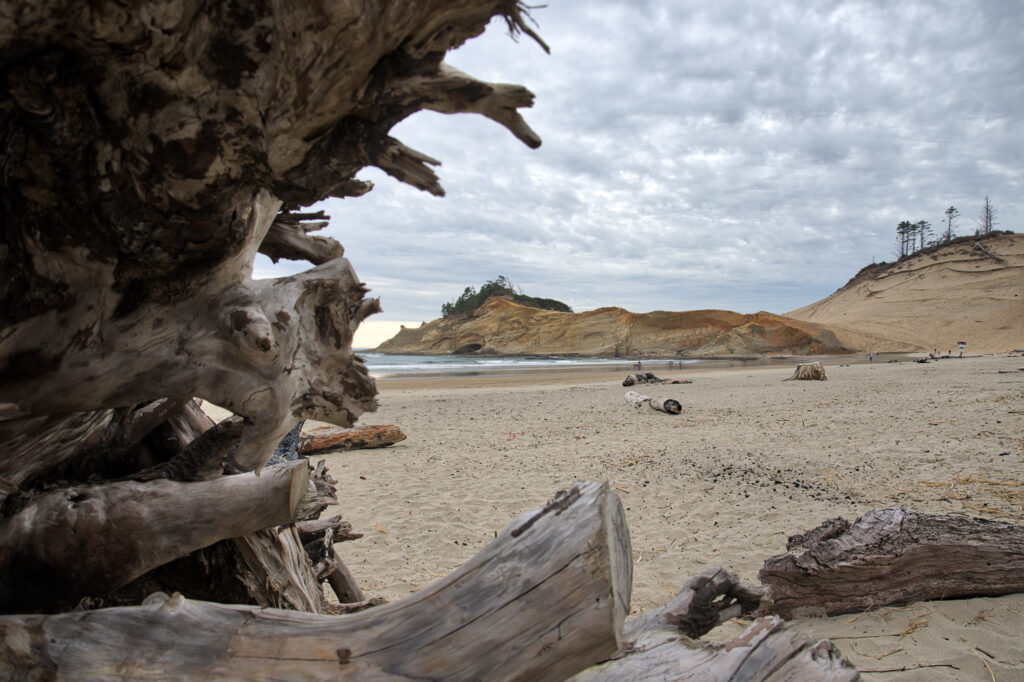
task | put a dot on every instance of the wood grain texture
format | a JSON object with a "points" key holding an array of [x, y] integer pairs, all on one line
{"points": [[91, 539], [543, 601], [895, 556], [766, 652]]}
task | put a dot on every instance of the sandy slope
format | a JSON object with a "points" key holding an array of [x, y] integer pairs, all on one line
{"points": [[969, 291], [750, 461]]}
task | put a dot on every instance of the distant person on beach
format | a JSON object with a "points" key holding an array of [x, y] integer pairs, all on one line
{"points": [[871, 357]]}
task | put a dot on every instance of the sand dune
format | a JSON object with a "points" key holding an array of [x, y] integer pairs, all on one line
{"points": [[971, 290]]}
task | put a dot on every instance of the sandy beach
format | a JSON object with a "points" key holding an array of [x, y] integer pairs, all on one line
{"points": [[750, 461]]}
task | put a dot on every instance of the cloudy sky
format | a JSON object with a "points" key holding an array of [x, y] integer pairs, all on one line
{"points": [[705, 154]]}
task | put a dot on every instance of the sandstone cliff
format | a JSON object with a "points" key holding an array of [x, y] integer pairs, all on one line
{"points": [[503, 327], [971, 289]]}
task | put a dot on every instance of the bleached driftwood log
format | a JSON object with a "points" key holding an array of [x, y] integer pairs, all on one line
{"points": [[543, 601], [325, 438], [91, 539], [659, 645], [661, 404], [808, 371], [894, 556]]}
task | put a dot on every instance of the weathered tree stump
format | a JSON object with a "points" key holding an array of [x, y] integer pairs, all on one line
{"points": [[808, 371], [895, 556]]}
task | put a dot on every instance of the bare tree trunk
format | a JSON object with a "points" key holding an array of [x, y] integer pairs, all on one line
{"points": [[895, 556], [546, 599]]}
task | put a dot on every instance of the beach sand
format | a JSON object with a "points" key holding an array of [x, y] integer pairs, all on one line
{"points": [[750, 461]]}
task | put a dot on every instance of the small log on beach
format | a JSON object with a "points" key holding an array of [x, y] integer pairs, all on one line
{"points": [[543, 601], [649, 378], [808, 371], [895, 556], [659, 645], [325, 438], [667, 405]]}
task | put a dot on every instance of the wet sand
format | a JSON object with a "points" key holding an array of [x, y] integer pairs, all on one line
{"points": [[750, 461]]}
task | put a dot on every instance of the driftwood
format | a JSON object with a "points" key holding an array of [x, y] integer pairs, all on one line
{"points": [[318, 538], [895, 556], [659, 645], [325, 438], [808, 371], [543, 601], [275, 567], [649, 378], [67, 544], [661, 404]]}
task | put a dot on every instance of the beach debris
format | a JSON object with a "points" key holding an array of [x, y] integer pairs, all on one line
{"points": [[662, 646], [894, 556], [649, 378], [808, 371], [668, 405], [326, 438]]}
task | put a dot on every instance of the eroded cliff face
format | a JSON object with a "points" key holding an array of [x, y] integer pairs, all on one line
{"points": [[502, 327], [971, 289]]}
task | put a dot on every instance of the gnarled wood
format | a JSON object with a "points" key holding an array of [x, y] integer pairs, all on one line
{"points": [[895, 556], [765, 652], [91, 539], [546, 599], [659, 645], [148, 156]]}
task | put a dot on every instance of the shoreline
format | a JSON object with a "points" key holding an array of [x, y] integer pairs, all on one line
{"points": [[554, 374]]}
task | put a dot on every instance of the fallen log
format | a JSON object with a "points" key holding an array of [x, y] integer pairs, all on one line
{"points": [[661, 404], [894, 556], [86, 540], [274, 567], [325, 438], [808, 371], [659, 645], [649, 378], [543, 601]]}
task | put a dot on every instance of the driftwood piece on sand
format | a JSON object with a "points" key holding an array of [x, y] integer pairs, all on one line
{"points": [[661, 404], [543, 601], [659, 645], [808, 371], [92, 539], [895, 556], [649, 378], [325, 438], [318, 538]]}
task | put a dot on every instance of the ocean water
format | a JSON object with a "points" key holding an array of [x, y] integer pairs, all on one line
{"points": [[384, 365]]}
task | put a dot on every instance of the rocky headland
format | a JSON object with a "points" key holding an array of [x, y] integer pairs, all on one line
{"points": [[970, 289]]}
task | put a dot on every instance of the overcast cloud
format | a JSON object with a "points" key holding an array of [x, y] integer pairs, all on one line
{"points": [[713, 154]]}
